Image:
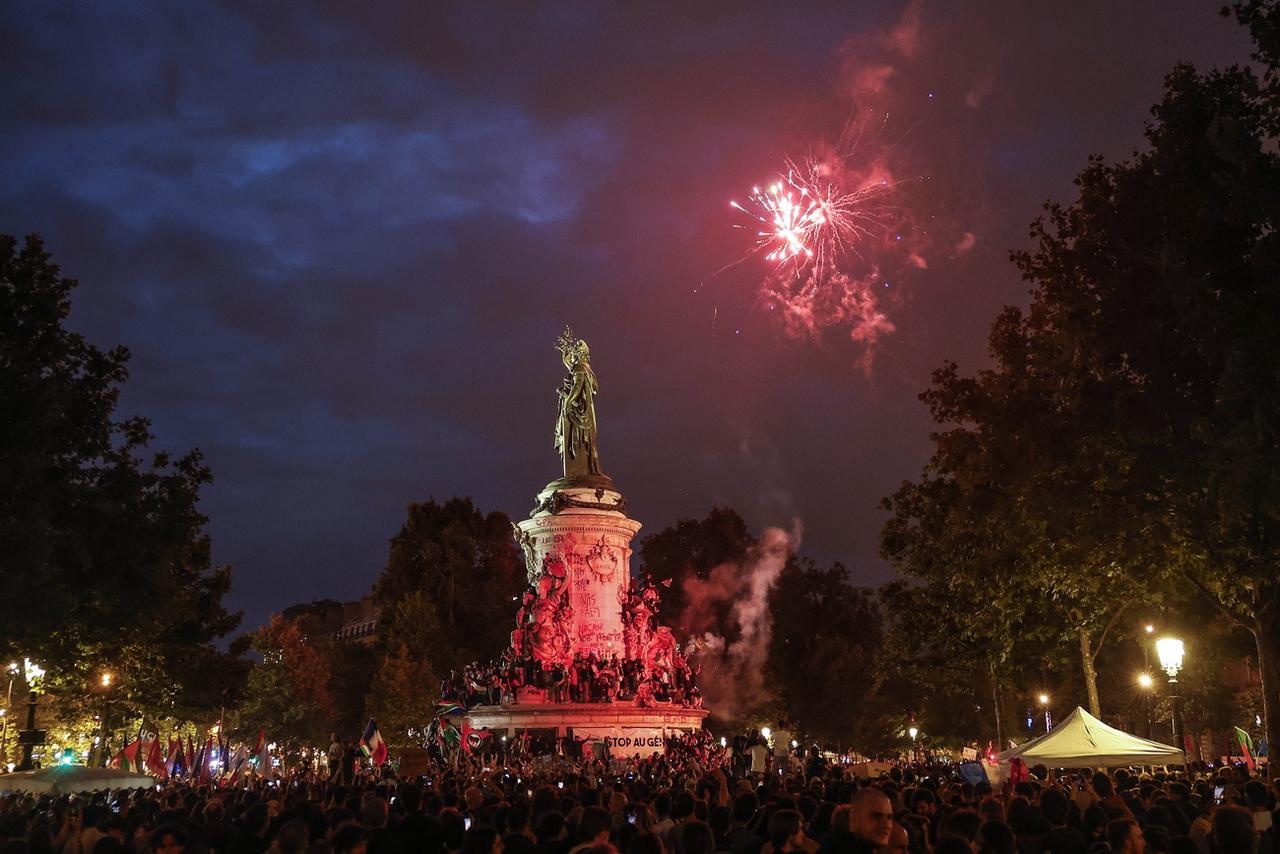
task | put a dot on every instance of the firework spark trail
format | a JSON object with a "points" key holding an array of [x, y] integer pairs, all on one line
{"points": [[807, 222]]}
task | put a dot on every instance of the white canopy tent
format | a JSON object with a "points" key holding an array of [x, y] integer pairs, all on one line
{"points": [[1083, 740], [69, 779]]}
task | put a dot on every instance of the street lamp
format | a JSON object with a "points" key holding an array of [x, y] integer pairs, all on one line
{"points": [[103, 753], [1147, 684], [8, 702], [1171, 651], [1048, 716], [30, 736]]}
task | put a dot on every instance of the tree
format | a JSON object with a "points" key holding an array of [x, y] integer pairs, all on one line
{"points": [[288, 692], [406, 685], [1162, 274], [823, 652], [467, 565], [104, 557], [993, 527], [1147, 364]]}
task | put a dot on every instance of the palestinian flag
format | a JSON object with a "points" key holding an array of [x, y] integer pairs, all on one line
{"points": [[372, 744]]}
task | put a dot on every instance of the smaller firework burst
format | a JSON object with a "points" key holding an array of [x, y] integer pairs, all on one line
{"points": [[805, 220]]}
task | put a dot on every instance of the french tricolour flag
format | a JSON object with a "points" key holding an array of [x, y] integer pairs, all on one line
{"points": [[372, 744]]}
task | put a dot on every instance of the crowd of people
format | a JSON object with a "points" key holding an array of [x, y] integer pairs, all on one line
{"points": [[687, 799], [583, 679]]}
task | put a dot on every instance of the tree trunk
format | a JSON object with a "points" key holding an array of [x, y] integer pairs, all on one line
{"points": [[1090, 674], [995, 704], [1266, 634]]}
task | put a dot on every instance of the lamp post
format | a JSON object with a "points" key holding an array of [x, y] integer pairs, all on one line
{"points": [[1048, 717], [8, 703], [913, 731], [1170, 651], [30, 737], [102, 753], [1148, 684]]}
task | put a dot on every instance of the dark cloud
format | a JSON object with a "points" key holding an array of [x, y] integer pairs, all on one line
{"points": [[340, 239]]}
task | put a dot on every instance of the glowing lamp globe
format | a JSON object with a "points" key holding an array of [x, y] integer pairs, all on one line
{"points": [[1170, 652], [913, 732], [1145, 680]]}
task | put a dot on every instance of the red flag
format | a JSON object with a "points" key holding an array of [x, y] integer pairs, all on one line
{"points": [[206, 754], [155, 761]]}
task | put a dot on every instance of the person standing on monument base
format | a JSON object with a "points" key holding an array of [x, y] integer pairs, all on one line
{"points": [[759, 756], [335, 756], [350, 756]]}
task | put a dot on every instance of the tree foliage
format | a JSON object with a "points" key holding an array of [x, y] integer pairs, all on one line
{"points": [[289, 691], [104, 560], [467, 566], [406, 685], [824, 650], [1126, 433]]}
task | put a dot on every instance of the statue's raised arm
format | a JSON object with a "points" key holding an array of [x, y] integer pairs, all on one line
{"points": [[576, 424]]}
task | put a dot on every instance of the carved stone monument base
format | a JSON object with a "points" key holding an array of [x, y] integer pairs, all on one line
{"points": [[625, 728], [582, 532]]}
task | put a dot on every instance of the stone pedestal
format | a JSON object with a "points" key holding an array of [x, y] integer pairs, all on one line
{"points": [[625, 728], [580, 527], [579, 532]]}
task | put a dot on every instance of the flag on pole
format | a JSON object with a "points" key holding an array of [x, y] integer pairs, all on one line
{"points": [[239, 763], [189, 761], [260, 753], [210, 757], [155, 759], [1246, 747], [176, 763], [128, 758], [372, 744]]}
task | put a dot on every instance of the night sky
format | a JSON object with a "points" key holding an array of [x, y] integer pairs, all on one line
{"points": [[342, 238]]}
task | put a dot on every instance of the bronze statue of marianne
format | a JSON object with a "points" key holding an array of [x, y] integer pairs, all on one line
{"points": [[576, 426]]}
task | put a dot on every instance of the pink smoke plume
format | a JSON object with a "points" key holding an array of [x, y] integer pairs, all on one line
{"points": [[870, 60], [732, 677], [850, 305]]}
